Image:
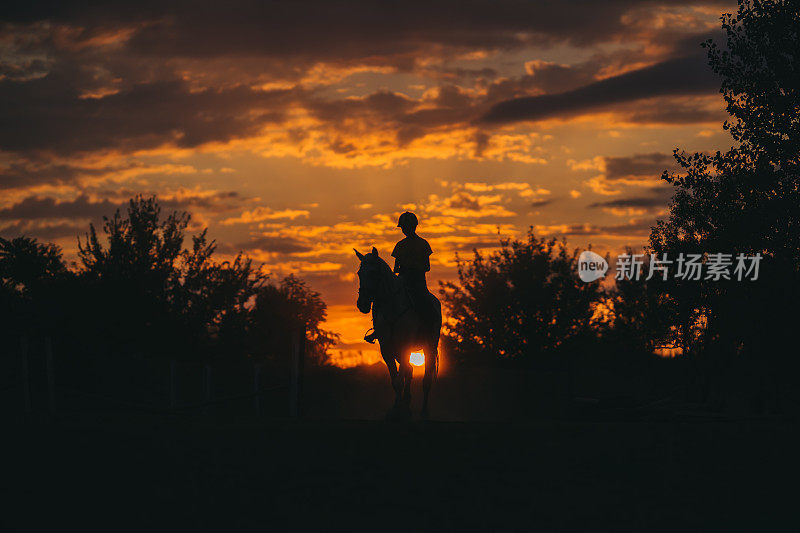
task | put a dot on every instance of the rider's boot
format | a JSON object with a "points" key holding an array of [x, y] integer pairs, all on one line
{"points": [[373, 336]]}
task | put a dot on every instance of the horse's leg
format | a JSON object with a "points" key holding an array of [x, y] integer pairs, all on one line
{"points": [[394, 375], [397, 383], [407, 372], [427, 381]]}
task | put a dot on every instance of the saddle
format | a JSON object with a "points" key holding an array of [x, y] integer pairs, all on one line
{"points": [[421, 301]]}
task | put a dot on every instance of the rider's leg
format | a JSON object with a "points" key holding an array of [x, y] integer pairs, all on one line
{"points": [[379, 330], [421, 300]]}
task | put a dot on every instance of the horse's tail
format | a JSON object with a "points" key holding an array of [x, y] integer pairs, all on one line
{"points": [[436, 339], [436, 365]]}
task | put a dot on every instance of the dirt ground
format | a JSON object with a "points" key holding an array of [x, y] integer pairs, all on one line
{"points": [[141, 472]]}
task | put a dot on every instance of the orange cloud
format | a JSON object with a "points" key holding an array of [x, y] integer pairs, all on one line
{"points": [[260, 214]]}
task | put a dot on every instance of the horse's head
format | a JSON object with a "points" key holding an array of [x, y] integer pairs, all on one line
{"points": [[369, 273]]}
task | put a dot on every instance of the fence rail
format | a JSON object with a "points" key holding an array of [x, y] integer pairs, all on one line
{"points": [[53, 390]]}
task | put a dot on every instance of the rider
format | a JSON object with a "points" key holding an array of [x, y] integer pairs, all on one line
{"points": [[411, 262]]}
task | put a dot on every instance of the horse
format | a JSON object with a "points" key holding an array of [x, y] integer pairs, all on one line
{"points": [[399, 329]]}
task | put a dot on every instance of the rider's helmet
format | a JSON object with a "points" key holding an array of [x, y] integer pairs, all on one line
{"points": [[407, 219]]}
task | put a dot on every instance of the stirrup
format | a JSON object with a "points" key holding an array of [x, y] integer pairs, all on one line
{"points": [[370, 337]]}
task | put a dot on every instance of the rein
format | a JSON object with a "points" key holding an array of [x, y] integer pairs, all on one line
{"points": [[383, 297]]}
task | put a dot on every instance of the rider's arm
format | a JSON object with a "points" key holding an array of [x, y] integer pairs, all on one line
{"points": [[397, 261], [428, 251]]}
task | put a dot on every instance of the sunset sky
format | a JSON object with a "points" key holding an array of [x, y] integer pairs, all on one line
{"points": [[298, 130]]}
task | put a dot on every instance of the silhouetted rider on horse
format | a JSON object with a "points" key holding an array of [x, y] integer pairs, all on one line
{"points": [[411, 262], [406, 317]]}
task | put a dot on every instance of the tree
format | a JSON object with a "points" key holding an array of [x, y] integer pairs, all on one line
{"points": [[140, 292], [289, 307], [640, 314], [153, 291], [522, 300], [32, 275], [744, 200], [26, 263], [215, 298], [759, 70]]}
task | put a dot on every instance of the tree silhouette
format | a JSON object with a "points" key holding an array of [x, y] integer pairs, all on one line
{"points": [[165, 295], [524, 299], [33, 277], [139, 289], [641, 314], [746, 199], [26, 263], [290, 306]]}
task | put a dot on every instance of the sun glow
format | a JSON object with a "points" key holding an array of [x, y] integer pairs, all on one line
{"points": [[417, 358]]}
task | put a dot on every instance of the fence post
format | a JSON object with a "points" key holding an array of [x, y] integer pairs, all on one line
{"points": [[257, 389], [51, 381], [207, 389], [26, 377], [296, 373], [171, 384]]}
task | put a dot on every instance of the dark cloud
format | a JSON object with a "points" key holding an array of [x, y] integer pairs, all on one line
{"points": [[634, 228], [336, 31], [217, 202], [50, 115], [464, 200], [189, 73], [637, 166], [388, 111], [36, 207], [450, 74], [679, 76], [23, 69], [675, 112], [28, 173], [541, 203], [45, 232], [384, 105], [282, 245], [544, 78], [657, 199]]}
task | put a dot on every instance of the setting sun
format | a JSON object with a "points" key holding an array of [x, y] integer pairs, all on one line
{"points": [[417, 358]]}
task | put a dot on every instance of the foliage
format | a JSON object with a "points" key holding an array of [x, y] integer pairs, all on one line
{"points": [[31, 274], [173, 299], [524, 299], [744, 200], [759, 73], [141, 248], [291, 306], [26, 263], [641, 313], [138, 289]]}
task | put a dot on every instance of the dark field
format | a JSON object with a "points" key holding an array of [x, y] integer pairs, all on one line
{"points": [[587, 467]]}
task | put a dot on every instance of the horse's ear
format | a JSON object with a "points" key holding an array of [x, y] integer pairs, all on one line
{"points": [[374, 251], [359, 254]]}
